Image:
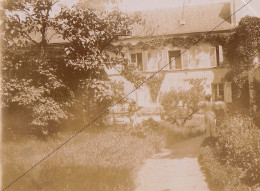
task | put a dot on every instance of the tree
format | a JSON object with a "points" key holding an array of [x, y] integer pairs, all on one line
{"points": [[180, 106], [49, 82]]}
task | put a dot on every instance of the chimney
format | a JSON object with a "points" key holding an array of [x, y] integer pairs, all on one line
{"points": [[243, 8], [233, 12]]}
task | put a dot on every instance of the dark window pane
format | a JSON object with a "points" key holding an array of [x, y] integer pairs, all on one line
{"points": [[139, 61], [175, 59], [133, 58]]}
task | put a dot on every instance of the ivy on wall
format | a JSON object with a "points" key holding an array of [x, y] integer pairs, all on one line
{"points": [[154, 85], [134, 76], [185, 42], [241, 47], [242, 50]]}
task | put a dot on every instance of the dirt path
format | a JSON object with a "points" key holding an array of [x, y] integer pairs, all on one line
{"points": [[175, 169]]}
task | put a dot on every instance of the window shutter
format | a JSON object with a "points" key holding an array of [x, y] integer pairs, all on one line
{"points": [[191, 61], [208, 89], [213, 59], [165, 64], [185, 59], [227, 92], [128, 57], [145, 60], [221, 57]]}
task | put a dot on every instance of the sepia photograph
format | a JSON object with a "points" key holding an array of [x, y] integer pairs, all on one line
{"points": [[130, 95]]}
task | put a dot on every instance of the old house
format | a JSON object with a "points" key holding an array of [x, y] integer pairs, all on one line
{"points": [[171, 41]]}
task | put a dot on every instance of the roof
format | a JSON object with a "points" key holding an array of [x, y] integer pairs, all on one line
{"points": [[201, 18]]}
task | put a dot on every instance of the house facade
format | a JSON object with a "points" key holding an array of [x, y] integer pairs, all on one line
{"points": [[177, 61]]}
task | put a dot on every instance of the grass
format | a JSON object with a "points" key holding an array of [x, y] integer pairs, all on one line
{"points": [[104, 159], [172, 133]]}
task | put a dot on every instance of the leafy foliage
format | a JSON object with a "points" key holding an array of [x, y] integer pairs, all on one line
{"points": [[179, 106], [240, 147], [186, 42], [132, 74], [235, 151], [154, 85], [57, 83], [243, 47]]}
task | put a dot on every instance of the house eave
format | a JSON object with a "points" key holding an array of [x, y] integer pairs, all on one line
{"points": [[175, 35]]}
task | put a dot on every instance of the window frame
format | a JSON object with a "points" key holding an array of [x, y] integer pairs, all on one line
{"points": [[141, 68], [180, 57], [216, 91]]}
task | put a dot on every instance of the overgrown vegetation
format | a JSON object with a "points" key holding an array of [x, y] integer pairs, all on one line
{"points": [[243, 50], [52, 84], [100, 159], [180, 106], [231, 159], [154, 85]]}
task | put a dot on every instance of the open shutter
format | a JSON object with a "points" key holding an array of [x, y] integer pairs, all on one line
{"points": [[227, 92], [213, 58], [128, 57], [221, 57], [208, 89], [185, 59], [145, 60], [165, 64]]}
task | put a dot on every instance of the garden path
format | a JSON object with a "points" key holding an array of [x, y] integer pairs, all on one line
{"points": [[174, 169]]}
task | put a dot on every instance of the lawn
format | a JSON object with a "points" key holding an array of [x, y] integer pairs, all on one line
{"points": [[104, 159], [97, 159]]}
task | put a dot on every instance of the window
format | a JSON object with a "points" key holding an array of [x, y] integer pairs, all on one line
{"points": [[218, 92], [175, 60], [137, 60], [213, 56], [219, 55]]}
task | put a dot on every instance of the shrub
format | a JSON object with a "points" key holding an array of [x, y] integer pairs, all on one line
{"points": [[231, 159], [180, 106], [145, 128], [239, 138]]}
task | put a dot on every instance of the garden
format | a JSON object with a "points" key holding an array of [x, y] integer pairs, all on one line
{"points": [[57, 103]]}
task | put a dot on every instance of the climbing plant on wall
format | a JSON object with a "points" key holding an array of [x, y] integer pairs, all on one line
{"points": [[133, 75], [242, 50], [185, 42], [154, 85], [241, 46]]}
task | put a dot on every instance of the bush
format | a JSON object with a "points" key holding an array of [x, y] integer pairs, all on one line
{"points": [[180, 106], [145, 128], [239, 138], [233, 156]]}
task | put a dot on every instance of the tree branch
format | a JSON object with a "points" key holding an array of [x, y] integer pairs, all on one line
{"points": [[189, 116], [51, 36], [25, 35]]}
